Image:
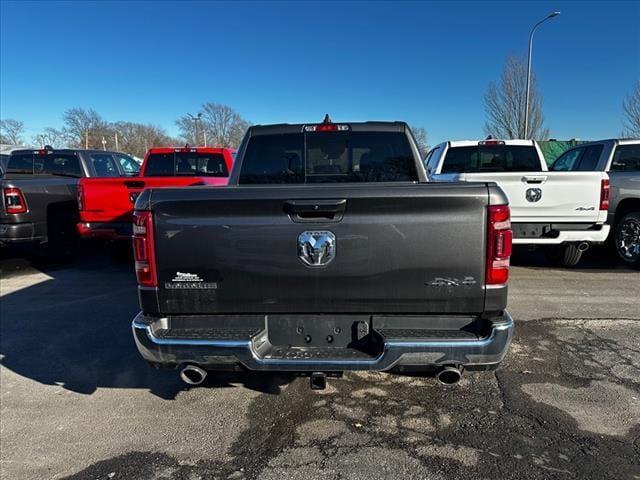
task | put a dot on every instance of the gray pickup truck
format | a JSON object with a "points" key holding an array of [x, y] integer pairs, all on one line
{"points": [[620, 158], [39, 192], [329, 251]]}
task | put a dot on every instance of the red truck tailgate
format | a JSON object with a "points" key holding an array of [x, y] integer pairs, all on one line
{"points": [[111, 199]]}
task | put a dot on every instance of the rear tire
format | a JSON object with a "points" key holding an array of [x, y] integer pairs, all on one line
{"points": [[564, 255], [627, 239]]}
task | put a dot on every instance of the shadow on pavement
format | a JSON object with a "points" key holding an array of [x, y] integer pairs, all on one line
{"points": [[597, 257], [73, 328]]}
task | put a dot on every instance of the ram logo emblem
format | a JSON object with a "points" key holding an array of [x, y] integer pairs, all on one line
{"points": [[316, 248], [533, 194]]}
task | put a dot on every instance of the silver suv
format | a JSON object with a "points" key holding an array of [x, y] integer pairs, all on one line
{"points": [[620, 158]]}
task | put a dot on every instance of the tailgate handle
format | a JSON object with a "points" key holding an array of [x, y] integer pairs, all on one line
{"points": [[535, 179], [314, 210], [134, 184]]}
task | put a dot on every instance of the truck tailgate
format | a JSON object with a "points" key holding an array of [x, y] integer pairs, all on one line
{"points": [[399, 248], [112, 199], [563, 196]]}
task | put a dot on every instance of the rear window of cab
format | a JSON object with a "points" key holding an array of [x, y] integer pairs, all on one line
{"points": [[328, 157], [186, 163], [491, 158], [61, 164]]}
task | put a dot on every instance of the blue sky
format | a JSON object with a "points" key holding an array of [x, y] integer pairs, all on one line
{"points": [[428, 63]]}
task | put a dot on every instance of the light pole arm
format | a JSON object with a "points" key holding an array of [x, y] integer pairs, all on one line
{"points": [[528, 91]]}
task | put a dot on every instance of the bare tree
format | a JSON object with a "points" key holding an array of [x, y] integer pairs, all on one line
{"points": [[50, 136], [136, 138], [84, 128], [505, 104], [631, 108], [11, 131], [420, 135], [223, 126]]}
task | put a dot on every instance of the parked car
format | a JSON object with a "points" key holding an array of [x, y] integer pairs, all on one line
{"points": [[620, 159], [39, 191], [329, 251], [560, 211], [106, 204]]}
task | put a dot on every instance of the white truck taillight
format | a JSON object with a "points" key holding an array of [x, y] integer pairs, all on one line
{"points": [[143, 249], [14, 201], [499, 244], [605, 190]]}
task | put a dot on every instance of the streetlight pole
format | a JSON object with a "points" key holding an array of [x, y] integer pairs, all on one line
{"points": [[196, 118], [526, 103]]}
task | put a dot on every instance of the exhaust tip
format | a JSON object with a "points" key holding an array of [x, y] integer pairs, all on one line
{"points": [[449, 375], [583, 247], [193, 375]]}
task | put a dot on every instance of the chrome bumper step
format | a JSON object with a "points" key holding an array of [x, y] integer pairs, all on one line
{"points": [[251, 348]]}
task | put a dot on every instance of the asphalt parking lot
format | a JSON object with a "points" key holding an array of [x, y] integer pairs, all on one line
{"points": [[78, 402]]}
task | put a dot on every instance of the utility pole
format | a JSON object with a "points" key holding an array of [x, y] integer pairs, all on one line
{"points": [[526, 102], [117, 149], [104, 143], [86, 139], [204, 133]]}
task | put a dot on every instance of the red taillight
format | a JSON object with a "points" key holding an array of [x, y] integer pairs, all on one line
{"points": [[80, 197], [143, 248], [499, 244], [14, 201], [605, 190], [326, 127]]}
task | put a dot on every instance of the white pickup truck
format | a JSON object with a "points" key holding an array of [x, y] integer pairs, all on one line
{"points": [[564, 212]]}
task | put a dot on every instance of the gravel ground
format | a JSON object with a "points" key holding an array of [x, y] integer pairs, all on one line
{"points": [[77, 401]]}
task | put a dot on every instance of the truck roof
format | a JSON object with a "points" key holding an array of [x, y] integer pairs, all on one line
{"points": [[279, 128], [63, 150], [473, 143], [188, 148], [619, 141]]}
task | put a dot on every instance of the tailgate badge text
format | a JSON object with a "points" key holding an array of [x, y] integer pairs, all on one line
{"points": [[189, 281]]}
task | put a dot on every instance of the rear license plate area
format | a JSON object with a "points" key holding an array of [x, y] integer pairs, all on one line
{"points": [[318, 330], [530, 230]]}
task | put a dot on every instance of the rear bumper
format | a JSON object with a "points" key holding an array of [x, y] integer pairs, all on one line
{"points": [[105, 230], [213, 352], [14, 233], [594, 234]]}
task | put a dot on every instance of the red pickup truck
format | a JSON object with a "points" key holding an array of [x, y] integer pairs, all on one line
{"points": [[106, 204]]}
